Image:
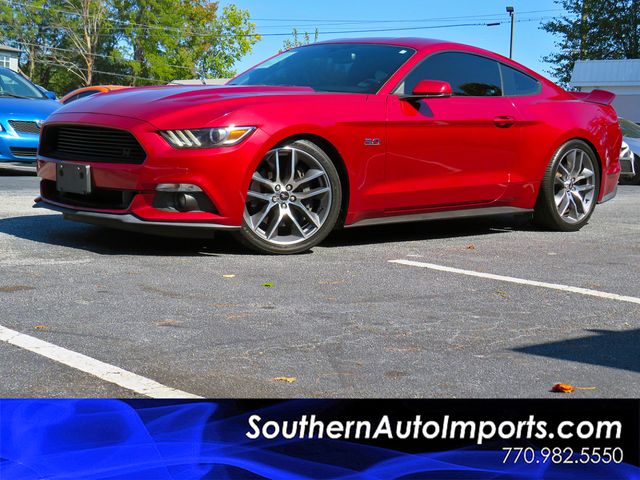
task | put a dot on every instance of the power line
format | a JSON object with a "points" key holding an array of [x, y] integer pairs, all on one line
{"points": [[99, 55], [432, 19], [48, 62], [194, 32]]}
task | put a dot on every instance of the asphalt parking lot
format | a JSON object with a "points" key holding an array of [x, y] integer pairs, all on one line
{"points": [[210, 319]]}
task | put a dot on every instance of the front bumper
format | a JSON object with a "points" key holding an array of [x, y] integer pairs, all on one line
{"points": [[628, 166], [18, 148], [222, 174], [131, 223]]}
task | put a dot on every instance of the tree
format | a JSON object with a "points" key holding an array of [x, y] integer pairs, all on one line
{"points": [[27, 26], [171, 39], [71, 43], [594, 30], [295, 41], [233, 36], [81, 26]]}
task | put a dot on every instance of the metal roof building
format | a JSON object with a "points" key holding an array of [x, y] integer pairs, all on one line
{"points": [[621, 77]]}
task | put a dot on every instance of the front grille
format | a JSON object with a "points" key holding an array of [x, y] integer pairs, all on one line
{"points": [[100, 198], [90, 144], [27, 152], [24, 127]]}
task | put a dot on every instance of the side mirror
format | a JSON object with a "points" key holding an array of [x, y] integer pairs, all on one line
{"points": [[51, 95], [429, 89]]}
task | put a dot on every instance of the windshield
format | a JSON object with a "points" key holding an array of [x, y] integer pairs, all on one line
{"points": [[629, 129], [13, 85], [332, 67]]}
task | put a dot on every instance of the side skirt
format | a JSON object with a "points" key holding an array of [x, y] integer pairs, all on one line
{"points": [[449, 214]]}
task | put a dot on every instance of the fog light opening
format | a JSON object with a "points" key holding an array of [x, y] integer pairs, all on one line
{"points": [[186, 203]]}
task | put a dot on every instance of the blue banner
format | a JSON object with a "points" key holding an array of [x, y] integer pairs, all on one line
{"points": [[233, 439]]}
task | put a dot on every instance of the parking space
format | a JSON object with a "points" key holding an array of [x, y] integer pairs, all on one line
{"points": [[210, 319]]}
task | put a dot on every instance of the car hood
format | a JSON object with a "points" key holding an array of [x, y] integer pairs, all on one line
{"points": [[27, 108], [178, 106], [634, 144]]}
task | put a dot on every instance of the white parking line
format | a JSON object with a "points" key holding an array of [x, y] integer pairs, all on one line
{"points": [[103, 371], [521, 281]]}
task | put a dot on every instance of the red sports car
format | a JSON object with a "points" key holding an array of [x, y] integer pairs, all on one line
{"points": [[339, 133]]}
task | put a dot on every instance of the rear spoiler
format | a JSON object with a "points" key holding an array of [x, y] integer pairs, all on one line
{"points": [[603, 97]]}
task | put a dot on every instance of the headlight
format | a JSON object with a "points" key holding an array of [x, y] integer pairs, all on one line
{"points": [[206, 137], [625, 152]]}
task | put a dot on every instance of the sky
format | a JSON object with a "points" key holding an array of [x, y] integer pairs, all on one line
{"points": [[413, 18]]}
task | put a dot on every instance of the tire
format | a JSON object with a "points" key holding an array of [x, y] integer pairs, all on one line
{"points": [[293, 201], [569, 188]]}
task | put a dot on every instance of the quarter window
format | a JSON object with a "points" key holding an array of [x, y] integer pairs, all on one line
{"points": [[517, 83], [468, 74]]}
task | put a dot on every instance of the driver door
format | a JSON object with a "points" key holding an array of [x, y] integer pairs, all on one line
{"points": [[455, 150]]}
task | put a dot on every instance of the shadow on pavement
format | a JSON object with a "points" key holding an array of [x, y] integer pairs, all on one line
{"points": [[54, 230], [607, 348], [428, 230], [5, 172]]}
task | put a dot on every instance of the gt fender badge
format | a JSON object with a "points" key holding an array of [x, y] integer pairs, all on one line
{"points": [[372, 142]]}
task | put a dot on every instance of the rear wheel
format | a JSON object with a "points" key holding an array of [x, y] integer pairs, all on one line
{"points": [[569, 189], [293, 201]]}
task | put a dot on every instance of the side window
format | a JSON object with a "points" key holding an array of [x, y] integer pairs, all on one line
{"points": [[468, 74], [86, 93], [517, 83], [71, 99]]}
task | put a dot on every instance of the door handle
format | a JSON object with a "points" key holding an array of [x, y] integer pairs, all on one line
{"points": [[504, 121]]}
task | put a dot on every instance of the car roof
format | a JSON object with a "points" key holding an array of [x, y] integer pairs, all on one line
{"points": [[101, 88], [95, 88], [411, 42], [431, 44]]}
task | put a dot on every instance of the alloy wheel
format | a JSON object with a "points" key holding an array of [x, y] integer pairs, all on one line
{"points": [[574, 186], [289, 198]]}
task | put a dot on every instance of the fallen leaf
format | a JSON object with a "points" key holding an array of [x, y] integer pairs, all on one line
{"points": [[471, 247], [502, 293], [228, 276], [40, 327], [268, 284], [566, 388], [285, 379], [168, 323], [15, 288]]}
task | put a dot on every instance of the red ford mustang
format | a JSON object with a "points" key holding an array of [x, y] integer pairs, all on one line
{"points": [[354, 132]]}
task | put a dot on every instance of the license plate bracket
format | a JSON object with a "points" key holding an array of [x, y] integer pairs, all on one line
{"points": [[73, 178]]}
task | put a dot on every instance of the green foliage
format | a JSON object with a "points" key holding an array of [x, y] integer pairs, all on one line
{"points": [[73, 43], [594, 30], [296, 41]]}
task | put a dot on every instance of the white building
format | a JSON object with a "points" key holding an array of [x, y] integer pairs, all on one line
{"points": [[9, 57], [621, 77]]}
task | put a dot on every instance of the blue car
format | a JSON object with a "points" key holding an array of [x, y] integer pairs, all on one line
{"points": [[23, 108]]}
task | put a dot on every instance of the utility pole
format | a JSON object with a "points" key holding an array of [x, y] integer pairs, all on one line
{"points": [[511, 13]]}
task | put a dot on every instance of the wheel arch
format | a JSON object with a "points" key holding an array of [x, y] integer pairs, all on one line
{"points": [[594, 150], [583, 137]]}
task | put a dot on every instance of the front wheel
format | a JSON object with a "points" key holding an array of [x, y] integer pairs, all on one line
{"points": [[569, 189], [293, 201]]}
